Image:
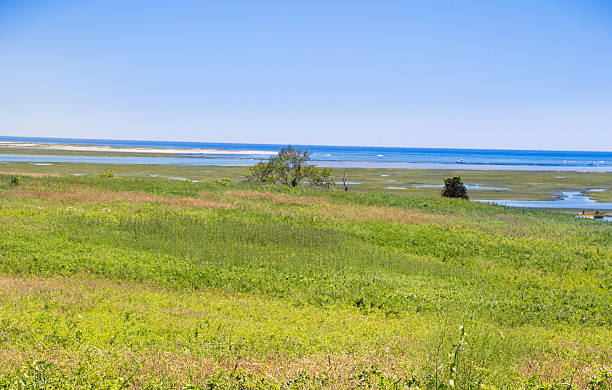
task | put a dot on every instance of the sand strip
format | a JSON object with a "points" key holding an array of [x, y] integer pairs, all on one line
{"points": [[99, 148]]}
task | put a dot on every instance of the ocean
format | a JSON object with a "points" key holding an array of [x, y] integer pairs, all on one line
{"points": [[331, 156]]}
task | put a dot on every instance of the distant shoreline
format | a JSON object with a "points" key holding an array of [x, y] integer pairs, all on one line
{"points": [[116, 149], [57, 150]]}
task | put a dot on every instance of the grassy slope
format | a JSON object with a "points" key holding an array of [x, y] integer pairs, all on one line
{"points": [[170, 282]]}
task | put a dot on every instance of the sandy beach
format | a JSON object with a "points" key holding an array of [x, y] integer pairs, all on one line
{"points": [[95, 148]]}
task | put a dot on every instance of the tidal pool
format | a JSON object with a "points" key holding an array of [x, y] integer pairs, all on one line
{"points": [[568, 200]]}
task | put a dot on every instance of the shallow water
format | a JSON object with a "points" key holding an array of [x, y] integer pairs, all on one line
{"points": [[246, 160], [178, 178], [39, 159], [467, 186], [569, 200], [345, 156]]}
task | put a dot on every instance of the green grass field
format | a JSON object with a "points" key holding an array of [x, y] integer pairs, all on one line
{"points": [[143, 282]]}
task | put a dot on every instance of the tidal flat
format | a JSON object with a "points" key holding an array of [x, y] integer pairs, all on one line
{"points": [[501, 185]]}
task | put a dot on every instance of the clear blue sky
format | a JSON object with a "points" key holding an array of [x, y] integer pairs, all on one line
{"points": [[514, 74]]}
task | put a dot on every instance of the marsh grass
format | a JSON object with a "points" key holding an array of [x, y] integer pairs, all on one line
{"points": [[523, 185]]}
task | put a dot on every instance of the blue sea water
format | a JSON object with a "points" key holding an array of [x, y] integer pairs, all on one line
{"points": [[566, 200], [333, 156]]}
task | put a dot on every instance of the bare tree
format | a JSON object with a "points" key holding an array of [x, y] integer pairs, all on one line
{"points": [[346, 187]]}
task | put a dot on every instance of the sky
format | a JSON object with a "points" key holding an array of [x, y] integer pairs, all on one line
{"points": [[514, 74]]}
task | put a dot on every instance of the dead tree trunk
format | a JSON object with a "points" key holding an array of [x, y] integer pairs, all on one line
{"points": [[346, 188]]}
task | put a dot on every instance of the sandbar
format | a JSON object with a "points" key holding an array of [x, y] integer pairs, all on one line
{"points": [[99, 148]]}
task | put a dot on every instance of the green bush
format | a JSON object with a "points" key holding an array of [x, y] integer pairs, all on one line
{"points": [[108, 174], [223, 182], [15, 180], [454, 188], [289, 168]]}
